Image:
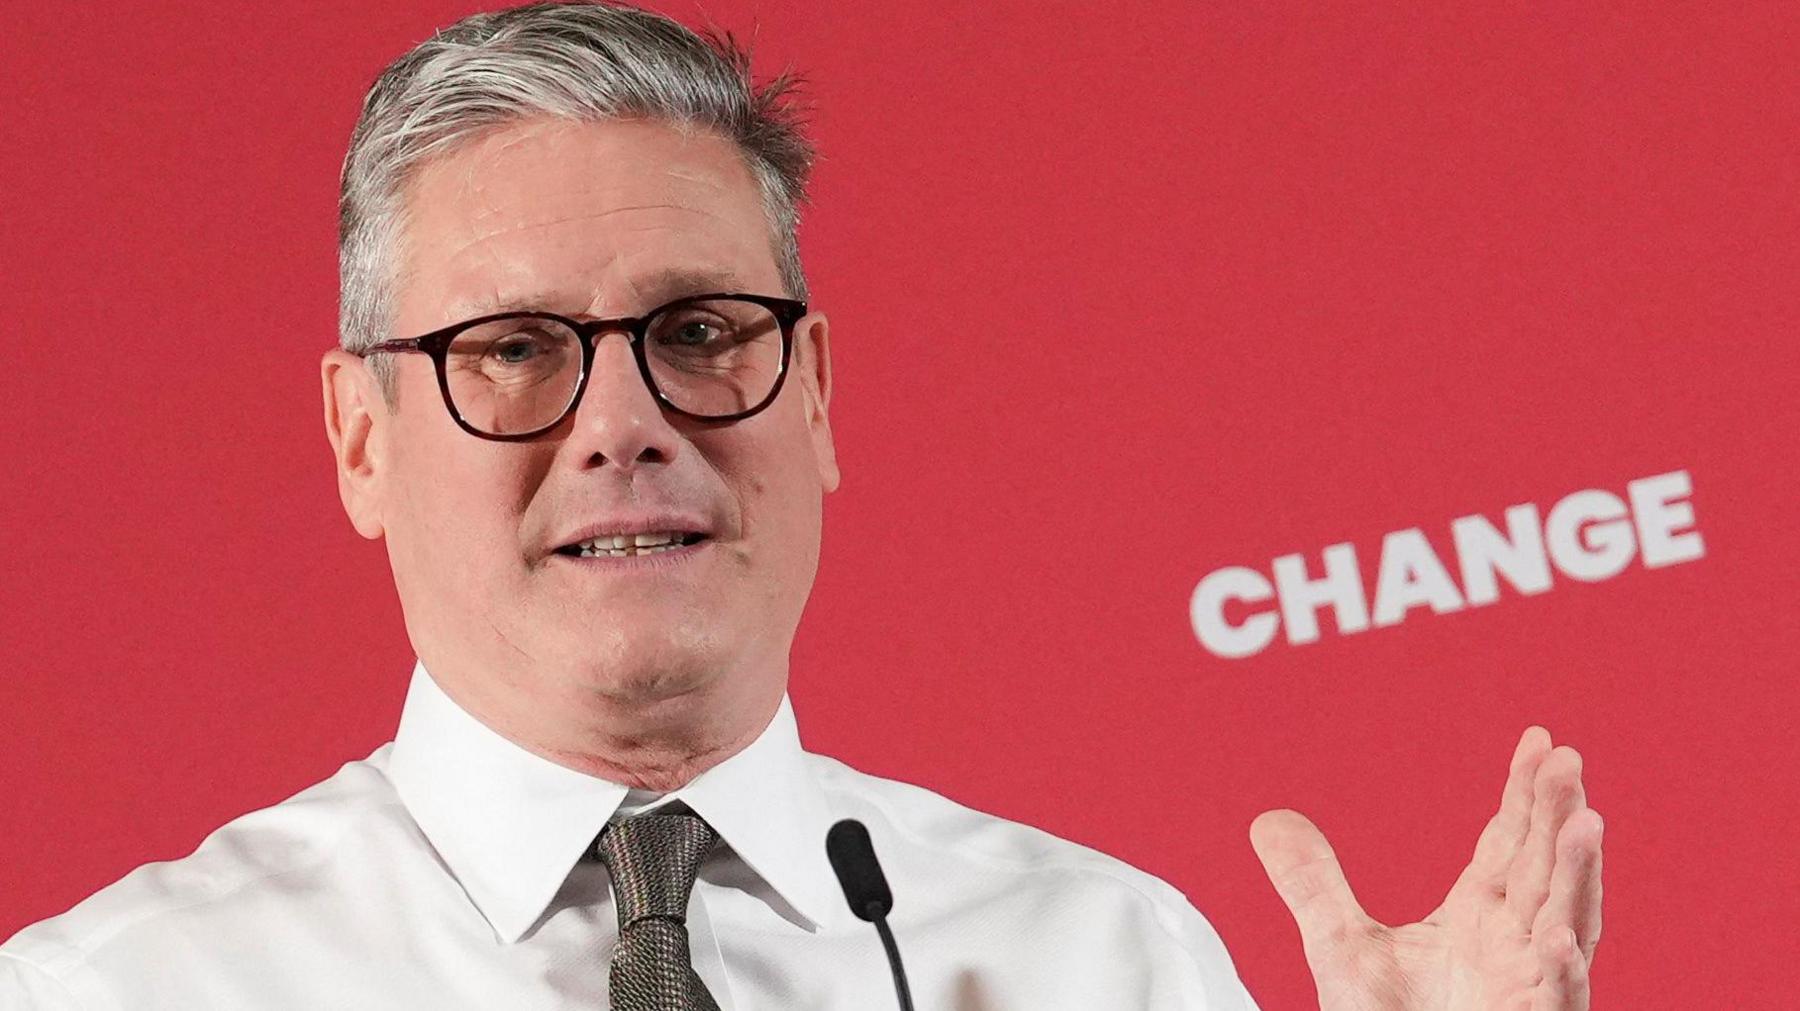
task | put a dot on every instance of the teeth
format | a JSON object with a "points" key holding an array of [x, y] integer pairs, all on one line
{"points": [[622, 545], [625, 551]]}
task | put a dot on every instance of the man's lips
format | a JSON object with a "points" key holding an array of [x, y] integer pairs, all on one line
{"points": [[624, 530], [651, 559], [631, 545]]}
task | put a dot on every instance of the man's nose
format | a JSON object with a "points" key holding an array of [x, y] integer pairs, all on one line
{"points": [[618, 420]]}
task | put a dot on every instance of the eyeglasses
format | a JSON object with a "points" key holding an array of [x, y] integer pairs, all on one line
{"points": [[513, 376]]}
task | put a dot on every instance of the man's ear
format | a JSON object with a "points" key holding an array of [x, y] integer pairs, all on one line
{"points": [[813, 354], [352, 406]]}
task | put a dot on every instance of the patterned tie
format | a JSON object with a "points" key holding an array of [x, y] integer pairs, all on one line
{"points": [[653, 859]]}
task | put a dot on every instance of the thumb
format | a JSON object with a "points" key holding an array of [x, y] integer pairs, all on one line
{"points": [[1306, 874]]}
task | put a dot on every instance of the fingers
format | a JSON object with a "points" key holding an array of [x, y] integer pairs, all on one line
{"points": [[1556, 794], [1307, 876], [1574, 901], [1506, 830], [1564, 971]]}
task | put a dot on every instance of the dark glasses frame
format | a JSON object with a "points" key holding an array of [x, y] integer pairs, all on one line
{"points": [[786, 311]]}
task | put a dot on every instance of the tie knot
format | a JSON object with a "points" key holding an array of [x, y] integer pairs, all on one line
{"points": [[653, 859]]}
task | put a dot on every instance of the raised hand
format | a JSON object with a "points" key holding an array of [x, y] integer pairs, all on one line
{"points": [[1516, 932]]}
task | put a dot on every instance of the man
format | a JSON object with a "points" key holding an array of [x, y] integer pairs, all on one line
{"points": [[582, 400]]}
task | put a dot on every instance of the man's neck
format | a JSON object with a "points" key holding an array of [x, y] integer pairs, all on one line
{"points": [[657, 762], [643, 741]]}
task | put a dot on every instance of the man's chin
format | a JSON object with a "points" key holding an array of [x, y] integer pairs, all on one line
{"points": [[642, 683], [649, 688]]}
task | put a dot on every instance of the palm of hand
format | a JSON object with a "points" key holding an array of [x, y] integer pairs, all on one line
{"points": [[1516, 932]]}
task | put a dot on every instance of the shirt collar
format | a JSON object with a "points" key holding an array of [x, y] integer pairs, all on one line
{"points": [[510, 824]]}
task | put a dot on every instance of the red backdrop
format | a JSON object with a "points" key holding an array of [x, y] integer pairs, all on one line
{"points": [[1122, 295]]}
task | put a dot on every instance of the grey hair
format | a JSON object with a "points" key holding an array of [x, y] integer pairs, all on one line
{"points": [[579, 61]]}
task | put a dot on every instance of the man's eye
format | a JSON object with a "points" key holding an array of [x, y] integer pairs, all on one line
{"points": [[691, 332], [516, 350]]}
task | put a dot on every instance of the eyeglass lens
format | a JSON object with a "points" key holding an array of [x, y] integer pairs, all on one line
{"points": [[712, 358]]}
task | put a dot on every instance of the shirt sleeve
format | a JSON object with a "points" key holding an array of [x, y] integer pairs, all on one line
{"points": [[1224, 988], [25, 987]]}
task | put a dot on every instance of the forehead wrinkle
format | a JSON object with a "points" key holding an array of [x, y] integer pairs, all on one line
{"points": [[679, 241], [481, 237], [606, 261], [660, 285]]}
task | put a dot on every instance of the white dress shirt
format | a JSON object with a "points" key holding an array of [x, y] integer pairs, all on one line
{"points": [[454, 869]]}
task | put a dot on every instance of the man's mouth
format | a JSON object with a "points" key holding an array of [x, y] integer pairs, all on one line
{"points": [[628, 545]]}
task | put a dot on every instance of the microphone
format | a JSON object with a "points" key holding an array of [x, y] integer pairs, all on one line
{"points": [[853, 858]]}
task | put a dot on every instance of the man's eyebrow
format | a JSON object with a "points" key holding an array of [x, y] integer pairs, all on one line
{"points": [[468, 308], [653, 290], [677, 282]]}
